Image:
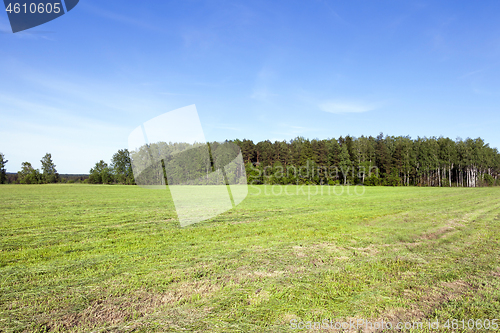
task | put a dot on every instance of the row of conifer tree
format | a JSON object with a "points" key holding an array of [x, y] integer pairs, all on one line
{"points": [[381, 160]]}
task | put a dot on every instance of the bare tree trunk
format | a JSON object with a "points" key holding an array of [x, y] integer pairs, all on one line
{"points": [[439, 177], [461, 176], [469, 176], [475, 176], [466, 177], [449, 172]]}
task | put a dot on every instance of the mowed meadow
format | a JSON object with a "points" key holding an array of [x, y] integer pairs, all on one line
{"points": [[110, 258]]}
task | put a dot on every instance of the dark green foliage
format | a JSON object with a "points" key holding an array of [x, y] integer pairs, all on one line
{"points": [[100, 173], [122, 167], [29, 175], [345, 162], [489, 180], [388, 160], [373, 180], [393, 178]]}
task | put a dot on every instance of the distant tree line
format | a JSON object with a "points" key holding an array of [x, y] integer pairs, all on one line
{"points": [[30, 175], [382, 160], [118, 172]]}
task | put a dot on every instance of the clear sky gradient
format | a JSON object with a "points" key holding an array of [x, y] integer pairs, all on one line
{"points": [[77, 86]]}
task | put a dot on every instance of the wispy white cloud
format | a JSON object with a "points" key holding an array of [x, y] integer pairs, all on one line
{"points": [[471, 73], [173, 94], [78, 94], [262, 94], [117, 17], [75, 141], [337, 17], [346, 107], [5, 29], [78, 120], [201, 39], [75, 155], [261, 90]]}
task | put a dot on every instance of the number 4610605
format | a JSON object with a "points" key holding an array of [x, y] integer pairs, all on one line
{"points": [[34, 8]]}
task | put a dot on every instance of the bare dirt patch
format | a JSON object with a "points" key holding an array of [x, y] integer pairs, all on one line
{"points": [[424, 301], [116, 310]]}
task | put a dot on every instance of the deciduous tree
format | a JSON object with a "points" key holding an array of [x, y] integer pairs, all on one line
{"points": [[29, 175], [49, 172]]}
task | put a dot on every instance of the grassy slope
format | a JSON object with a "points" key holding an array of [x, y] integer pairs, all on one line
{"points": [[77, 258]]}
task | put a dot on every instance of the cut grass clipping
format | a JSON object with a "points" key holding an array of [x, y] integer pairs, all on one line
{"points": [[82, 258]]}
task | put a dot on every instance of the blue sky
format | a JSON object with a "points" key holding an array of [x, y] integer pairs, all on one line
{"points": [[77, 86]]}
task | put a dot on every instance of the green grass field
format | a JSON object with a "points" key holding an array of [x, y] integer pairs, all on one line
{"points": [[90, 258]]}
